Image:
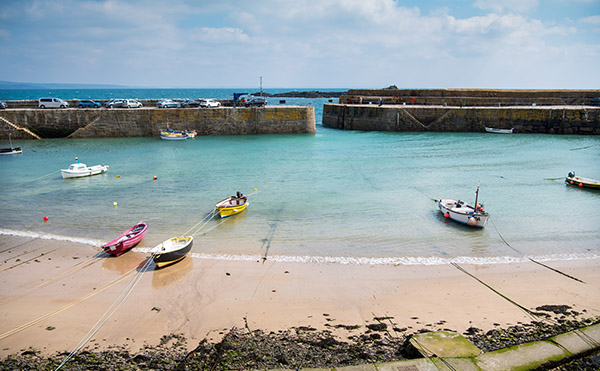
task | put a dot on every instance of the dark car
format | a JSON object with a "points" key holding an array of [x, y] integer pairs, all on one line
{"points": [[3, 105], [88, 104], [190, 103], [255, 102]]}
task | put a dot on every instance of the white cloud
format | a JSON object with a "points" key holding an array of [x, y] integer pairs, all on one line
{"points": [[593, 20], [499, 6]]}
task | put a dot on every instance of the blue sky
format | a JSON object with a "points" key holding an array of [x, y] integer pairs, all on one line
{"points": [[545, 44]]}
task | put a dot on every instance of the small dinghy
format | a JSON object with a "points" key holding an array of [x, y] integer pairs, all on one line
{"points": [[127, 240], [78, 170], [458, 211], [232, 205], [582, 182], [172, 250]]}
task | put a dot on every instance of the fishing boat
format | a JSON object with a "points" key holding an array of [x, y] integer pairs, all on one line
{"points": [[232, 205], [172, 250], [173, 135], [11, 150], [458, 211], [191, 134], [77, 170], [499, 131], [127, 240], [582, 182]]}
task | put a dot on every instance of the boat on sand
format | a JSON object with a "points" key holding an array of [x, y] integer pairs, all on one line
{"points": [[462, 213], [78, 170], [172, 250], [126, 240], [232, 205], [582, 182]]}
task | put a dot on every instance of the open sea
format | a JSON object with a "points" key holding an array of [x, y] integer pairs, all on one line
{"points": [[338, 196]]}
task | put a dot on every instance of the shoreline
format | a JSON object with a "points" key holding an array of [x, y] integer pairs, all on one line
{"points": [[57, 290]]}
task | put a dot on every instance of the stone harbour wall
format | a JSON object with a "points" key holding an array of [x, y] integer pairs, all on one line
{"points": [[548, 119], [147, 122]]}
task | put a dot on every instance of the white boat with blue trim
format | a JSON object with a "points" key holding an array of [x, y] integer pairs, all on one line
{"points": [[78, 170], [462, 213]]}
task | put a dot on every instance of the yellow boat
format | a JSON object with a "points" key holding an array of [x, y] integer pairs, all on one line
{"points": [[232, 205], [582, 182]]}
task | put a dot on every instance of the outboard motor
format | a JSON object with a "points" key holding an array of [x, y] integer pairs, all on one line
{"points": [[571, 174], [239, 194]]}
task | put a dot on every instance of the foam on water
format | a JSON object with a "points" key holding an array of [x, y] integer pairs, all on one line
{"points": [[50, 236]]}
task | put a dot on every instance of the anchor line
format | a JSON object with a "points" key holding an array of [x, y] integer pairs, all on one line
{"points": [[533, 315], [533, 260], [110, 311]]}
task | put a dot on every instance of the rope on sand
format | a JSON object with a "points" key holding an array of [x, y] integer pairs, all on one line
{"points": [[110, 311]]}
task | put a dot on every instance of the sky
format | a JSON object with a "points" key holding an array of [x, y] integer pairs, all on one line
{"points": [[510, 44]]}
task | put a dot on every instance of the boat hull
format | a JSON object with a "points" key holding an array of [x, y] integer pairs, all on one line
{"points": [[126, 240], [11, 151], [461, 213], [173, 137], [583, 182], [89, 171], [499, 131], [226, 208], [172, 250]]}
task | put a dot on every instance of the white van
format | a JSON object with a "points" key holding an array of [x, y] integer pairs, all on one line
{"points": [[52, 103]]}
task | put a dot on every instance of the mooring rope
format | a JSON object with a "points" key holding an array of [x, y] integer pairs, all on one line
{"points": [[531, 259], [110, 311]]}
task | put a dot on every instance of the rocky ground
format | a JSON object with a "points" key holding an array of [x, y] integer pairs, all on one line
{"points": [[303, 347]]}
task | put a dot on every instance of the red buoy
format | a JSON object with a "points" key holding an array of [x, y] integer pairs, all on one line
{"points": [[581, 184], [45, 218], [446, 215], [154, 177], [571, 182]]}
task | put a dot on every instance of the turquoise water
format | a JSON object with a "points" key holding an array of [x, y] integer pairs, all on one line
{"points": [[343, 196]]}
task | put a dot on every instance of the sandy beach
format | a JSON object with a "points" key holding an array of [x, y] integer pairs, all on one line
{"points": [[53, 292]]}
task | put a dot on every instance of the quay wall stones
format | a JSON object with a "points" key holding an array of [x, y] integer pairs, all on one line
{"points": [[583, 120], [147, 122]]}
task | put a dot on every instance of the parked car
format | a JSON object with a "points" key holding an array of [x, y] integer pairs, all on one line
{"points": [[109, 102], [190, 103], [3, 105], [87, 103], [209, 103], [52, 103], [255, 101], [133, 103], [167, 103]]}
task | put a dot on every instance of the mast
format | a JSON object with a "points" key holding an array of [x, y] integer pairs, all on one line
{"points": [[476, 197]]}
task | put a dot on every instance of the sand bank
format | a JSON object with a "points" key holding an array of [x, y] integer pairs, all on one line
{"points": [[53, 292]]}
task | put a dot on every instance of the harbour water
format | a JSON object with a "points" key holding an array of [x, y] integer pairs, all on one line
{"points": [[340, 196]]}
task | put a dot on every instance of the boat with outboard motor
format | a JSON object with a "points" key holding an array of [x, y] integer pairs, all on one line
{"points": [[232, 205], [581, 182], [458, 211]]}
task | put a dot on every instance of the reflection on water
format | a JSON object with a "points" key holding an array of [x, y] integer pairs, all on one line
{"points": [[171, 274]]}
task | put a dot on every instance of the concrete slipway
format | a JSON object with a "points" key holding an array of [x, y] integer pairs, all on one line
{"points": [[449, 351]]}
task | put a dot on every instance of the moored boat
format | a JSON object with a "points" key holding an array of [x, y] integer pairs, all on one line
{"points": [[460, 212], [232, 205], [499, 131], [77, 170], [582, 182], [11, 150], [172, 250], [173, 135], [127, 239]]}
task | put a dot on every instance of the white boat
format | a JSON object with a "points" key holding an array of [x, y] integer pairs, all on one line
{"points": [[77, 170], [499, 131], [460, 212], [11, 150]]}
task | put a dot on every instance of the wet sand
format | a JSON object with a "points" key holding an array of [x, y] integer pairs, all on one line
{"points": [[53, 292]]}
